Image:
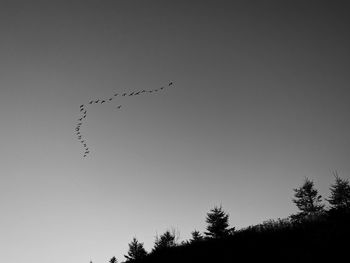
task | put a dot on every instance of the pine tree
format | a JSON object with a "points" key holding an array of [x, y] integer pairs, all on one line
{"points": [[218, 225], [340, 194], [307, 199], [136, 250], [196, 236], [164, 241]]}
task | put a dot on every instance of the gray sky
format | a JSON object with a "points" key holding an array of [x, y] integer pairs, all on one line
{"points": [[260, 101]]}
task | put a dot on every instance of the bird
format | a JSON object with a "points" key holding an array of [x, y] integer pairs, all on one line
{"points": [[119, 106], [124, 94], [110, 99], [137, 93], [170, 84], [162, 88], [80, 119], [91, 102], [132, 93], [81, 109], [81, 106], [116, 94], [103, 101], [96, 101]]}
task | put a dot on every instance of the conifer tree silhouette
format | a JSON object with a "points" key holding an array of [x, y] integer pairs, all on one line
{"points": [[307, 200], [196, 236], [340, 194], [218, 226], [136, 250], [164, 241]]}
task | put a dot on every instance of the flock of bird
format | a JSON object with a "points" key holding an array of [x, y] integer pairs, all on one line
{"points": [[83, 111]]}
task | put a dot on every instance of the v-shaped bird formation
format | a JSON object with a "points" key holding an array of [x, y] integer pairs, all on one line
{"points": [[83, 110]]}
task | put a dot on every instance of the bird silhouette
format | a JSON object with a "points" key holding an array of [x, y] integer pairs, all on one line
{"points": [[83, 110]]}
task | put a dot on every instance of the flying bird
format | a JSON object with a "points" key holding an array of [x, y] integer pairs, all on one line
{"points": [[132, 93], [119, 106], [170, 84], [91, 102], [97, 101], [110, 99], [124, 94], [116, 94], [81, 106], [103, 101]]}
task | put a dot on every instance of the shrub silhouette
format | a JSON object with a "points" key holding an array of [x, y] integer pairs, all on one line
{"points": [[113, 260]]}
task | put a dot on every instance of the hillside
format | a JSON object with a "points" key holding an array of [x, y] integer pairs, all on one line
{"points": [[320, 239]]}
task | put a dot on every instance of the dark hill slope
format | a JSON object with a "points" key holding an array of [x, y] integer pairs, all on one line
{"points": [[325, 239]]}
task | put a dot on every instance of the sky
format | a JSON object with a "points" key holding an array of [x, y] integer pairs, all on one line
{"points": [[260, 101]]}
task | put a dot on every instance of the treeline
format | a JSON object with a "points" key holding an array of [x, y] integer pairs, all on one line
{"points": [[314, 233]]}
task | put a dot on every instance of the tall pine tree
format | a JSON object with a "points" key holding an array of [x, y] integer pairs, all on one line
{"points": [[307, 199], [340, 194], [218, 226], [136, 250]]}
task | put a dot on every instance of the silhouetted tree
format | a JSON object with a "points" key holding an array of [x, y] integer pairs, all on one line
{"points": [[307, 200], [196, 236], [218, 224], [113, 260], [340, 193], [164, 241], [136, 250]]}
